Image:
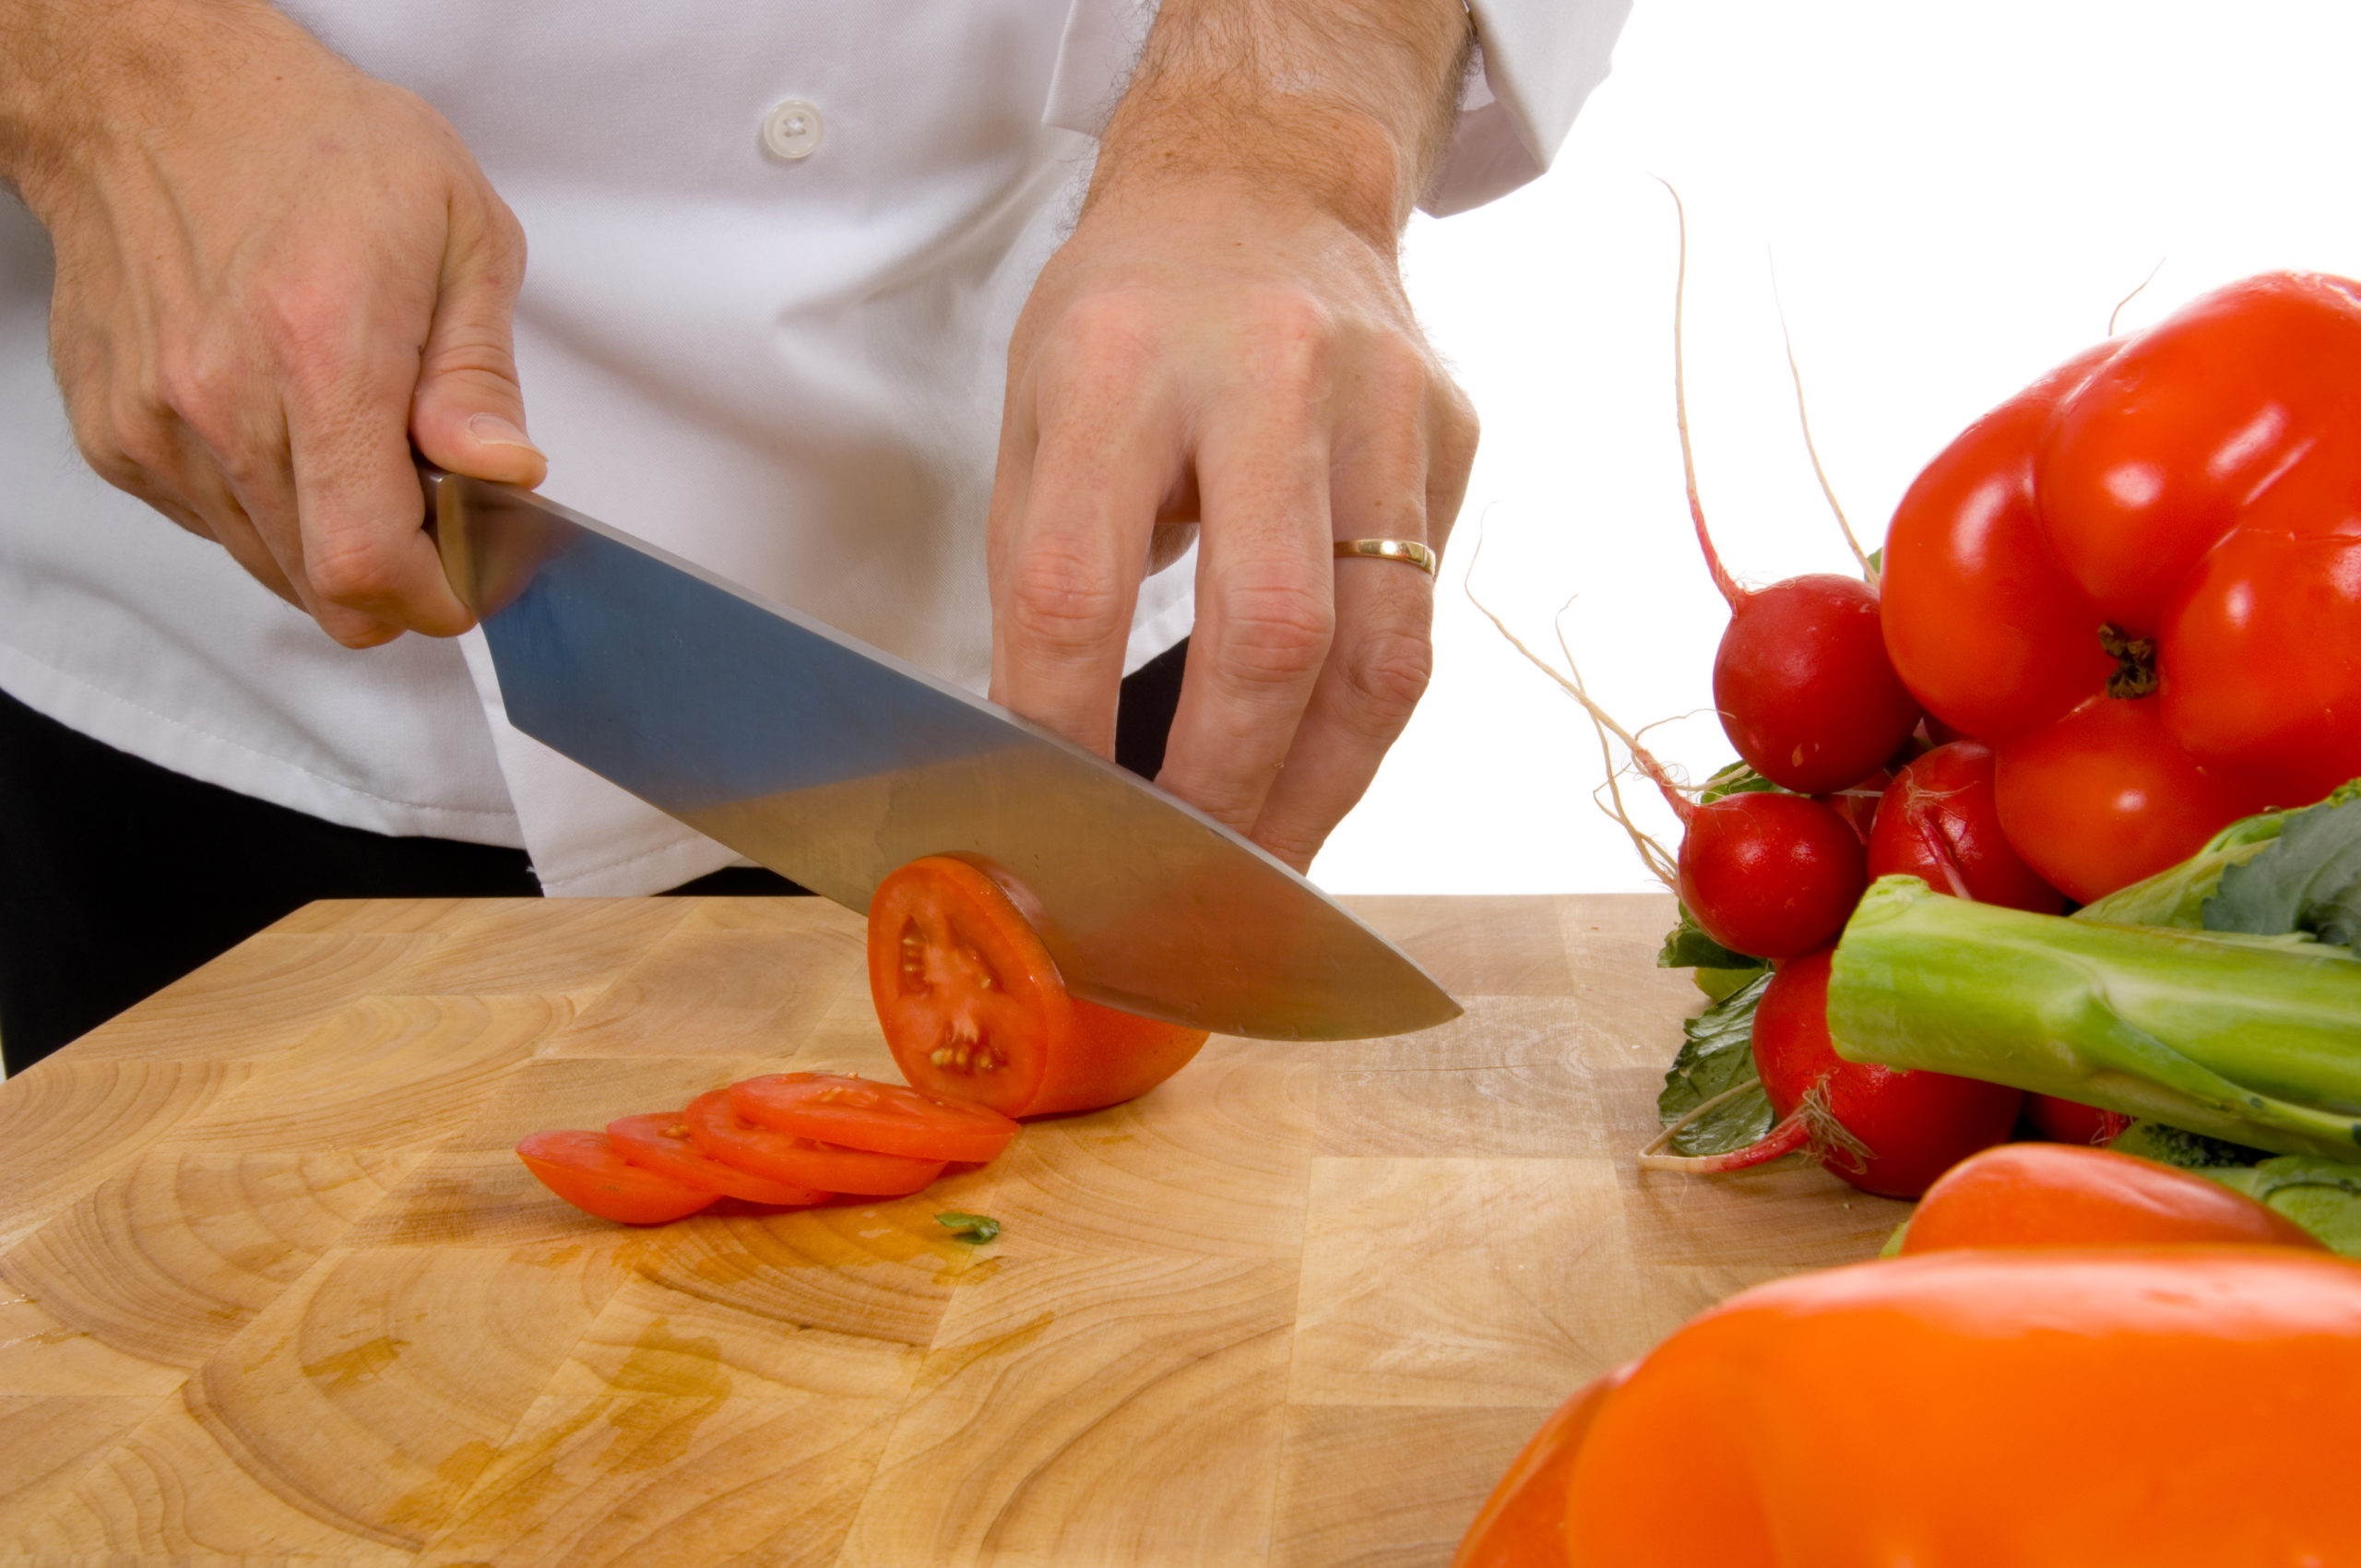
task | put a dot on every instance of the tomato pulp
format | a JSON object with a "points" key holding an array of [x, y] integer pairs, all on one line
{"points": [[974, 1009], [729, 1138], [862, 1113]]}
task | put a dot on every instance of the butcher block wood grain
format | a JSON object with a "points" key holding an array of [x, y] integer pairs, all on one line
{"points": [[274, 1289]]}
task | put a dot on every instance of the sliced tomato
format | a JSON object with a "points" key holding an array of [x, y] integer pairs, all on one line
{"points": [[832, 1108], [974, 1009], [661, 1143], [587, 1171], [732, 1139]]}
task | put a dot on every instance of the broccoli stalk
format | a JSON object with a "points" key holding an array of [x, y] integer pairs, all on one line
{"points": [[2252, 1038]]}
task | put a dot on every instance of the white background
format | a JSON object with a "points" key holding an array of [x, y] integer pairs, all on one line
{"points": [[1955, 197]]}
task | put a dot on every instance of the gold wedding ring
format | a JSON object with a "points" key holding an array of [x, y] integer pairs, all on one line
{"points": [[1409, 551]]}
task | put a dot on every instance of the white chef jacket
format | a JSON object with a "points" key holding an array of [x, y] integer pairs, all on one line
{"points": [[787, 369]]}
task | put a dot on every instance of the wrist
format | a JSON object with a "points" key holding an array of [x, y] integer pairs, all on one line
{"points": [[77, 75], [1343, 104]]}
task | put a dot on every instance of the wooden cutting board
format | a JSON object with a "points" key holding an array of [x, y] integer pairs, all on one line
{"points": [[273, 1286]]}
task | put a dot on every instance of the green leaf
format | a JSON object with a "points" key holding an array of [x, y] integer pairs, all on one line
{"points": [[1719, 984], [2321, 1195], [1687, 946], [1737, 778], [2176, 896], [1716, 1057], [973, 1228], [2186, 1150], [2308, 879]]}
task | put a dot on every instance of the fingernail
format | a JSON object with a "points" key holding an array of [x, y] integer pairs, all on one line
{"points": [[493, 430]]}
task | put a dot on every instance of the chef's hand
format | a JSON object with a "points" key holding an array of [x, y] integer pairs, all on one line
{"points": [[1225, 339], [273, 274]]}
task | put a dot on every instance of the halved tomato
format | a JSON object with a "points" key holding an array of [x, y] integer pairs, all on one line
{"points": [[833, 1107], [974, 1009], [732, 1139], [585, 1170], [661, 1143]]}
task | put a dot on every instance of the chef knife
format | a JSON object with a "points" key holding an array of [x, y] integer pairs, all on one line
{"points": [[832, 762]]}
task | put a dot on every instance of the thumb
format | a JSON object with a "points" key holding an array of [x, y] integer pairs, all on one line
{"points": [[468, 414]]}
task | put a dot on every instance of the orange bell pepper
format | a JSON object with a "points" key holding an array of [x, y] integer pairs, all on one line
{"points": [[2058, 1196], [1978, 1408]]}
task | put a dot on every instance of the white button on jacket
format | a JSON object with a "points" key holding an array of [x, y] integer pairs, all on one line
{"points": [[792, 129], [778, 354]]}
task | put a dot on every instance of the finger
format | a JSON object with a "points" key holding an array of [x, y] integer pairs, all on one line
{"points": [[1070, 540], [228, 465], [356, 490], [468, 412], [1265, 612], [1382, 655], [142, 447], [1453, 435]]}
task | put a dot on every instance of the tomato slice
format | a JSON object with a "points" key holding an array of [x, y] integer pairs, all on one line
{"points": [[973, 1007], [585, 1170], [661, 1143], [862, 1113], [732, 1139]]}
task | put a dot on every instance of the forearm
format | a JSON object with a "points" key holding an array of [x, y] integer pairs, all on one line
{"points": [[1350, 103], [75, 73]]}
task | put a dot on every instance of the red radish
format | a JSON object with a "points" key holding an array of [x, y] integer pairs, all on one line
{"points": [[1940, 820], [1766, 875], [1858, 804], [1886, 1130], [1806, 691], [2071, 1121]]}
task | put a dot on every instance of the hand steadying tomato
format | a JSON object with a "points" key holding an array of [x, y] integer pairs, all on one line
{"points": [[974, 1009], [2140, 581]]}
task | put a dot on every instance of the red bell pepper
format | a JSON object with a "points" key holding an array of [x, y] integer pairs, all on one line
{"points": [[2140, 581]]}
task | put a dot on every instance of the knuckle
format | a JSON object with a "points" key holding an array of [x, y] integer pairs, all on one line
{"points": [[202, 390], [309, 318], [1386, 671], [1273, 633], [350, 569], [1292, 343], [1456, 429], [1060, 601], [1105, 340], [136, 431]]}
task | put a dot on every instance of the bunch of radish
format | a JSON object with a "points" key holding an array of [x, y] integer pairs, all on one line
{"points": [[1849, 787]]}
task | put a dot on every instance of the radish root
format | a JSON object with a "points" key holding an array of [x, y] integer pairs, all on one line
{"points": [[1792, 1135], [1721, 579], [1659, 860], [2114, 314], [1803, 416]]}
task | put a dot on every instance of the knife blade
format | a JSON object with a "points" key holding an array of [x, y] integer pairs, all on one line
{"points": [[832, 762]]}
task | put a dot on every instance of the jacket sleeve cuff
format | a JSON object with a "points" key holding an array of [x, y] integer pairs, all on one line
{"points": [[1536, 61]]}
